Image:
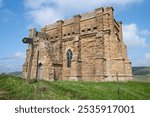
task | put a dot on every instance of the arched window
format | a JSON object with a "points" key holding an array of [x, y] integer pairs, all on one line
{"points": [[69, 57]]}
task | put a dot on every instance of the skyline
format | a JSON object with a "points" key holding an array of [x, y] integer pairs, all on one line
{"points": [[16, 17]]}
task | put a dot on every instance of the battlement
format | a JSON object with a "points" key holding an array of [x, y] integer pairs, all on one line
{"points": [[85, 16], [98, 19]]}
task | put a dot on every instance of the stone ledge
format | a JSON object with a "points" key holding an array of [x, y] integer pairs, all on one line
{"points": [[92, 34]]}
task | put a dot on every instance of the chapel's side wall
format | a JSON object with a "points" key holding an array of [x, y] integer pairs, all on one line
{"points": [[92, 46]]}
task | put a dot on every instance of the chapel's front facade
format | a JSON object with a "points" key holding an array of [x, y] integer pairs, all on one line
{"points": [[86, 47]]}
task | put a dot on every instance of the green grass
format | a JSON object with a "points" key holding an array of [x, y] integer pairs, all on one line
{"points": [[17, 88], [145, 78]]}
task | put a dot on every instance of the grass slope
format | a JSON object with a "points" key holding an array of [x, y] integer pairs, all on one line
{"points": [[141, 73], [17, 88], [141, 70]]}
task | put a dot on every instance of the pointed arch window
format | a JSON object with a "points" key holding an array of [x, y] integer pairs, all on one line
{"points": [[69, 58]]}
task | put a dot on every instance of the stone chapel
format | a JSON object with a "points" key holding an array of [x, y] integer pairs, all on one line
{"points": [[89, 47]]}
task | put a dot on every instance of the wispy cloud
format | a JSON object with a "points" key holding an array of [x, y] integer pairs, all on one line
{"points": [[19, 54], [145, 32], [12, 63], [133, 36], [138, 45], [147, 56], [44, 16], [145, 61], [42, 12]]}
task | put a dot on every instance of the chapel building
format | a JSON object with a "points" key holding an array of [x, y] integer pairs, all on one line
{"points": [[89, 47]]}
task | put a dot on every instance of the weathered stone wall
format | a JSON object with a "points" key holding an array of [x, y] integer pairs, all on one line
{"points": [[94, 38]]}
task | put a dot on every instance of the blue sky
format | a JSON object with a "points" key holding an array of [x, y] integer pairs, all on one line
{"points": [[17, 16]]}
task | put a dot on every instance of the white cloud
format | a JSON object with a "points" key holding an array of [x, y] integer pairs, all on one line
{"points": [[137, 42], [19, 54], [48, 11], [145, 61], [145, 32], [132, 36], [147, 56], [34, 4], [44, 16], [142, 60]]}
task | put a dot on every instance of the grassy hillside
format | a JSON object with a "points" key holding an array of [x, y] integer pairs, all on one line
{"points": [[141, 73], [141, 70], [17, 88]]}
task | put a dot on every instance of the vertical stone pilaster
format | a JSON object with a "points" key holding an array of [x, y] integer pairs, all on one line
{"points": [[108, 37], [76, 62], [59, 28], [107, 55], [77, 24], [99, 57], [99, 19]]}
